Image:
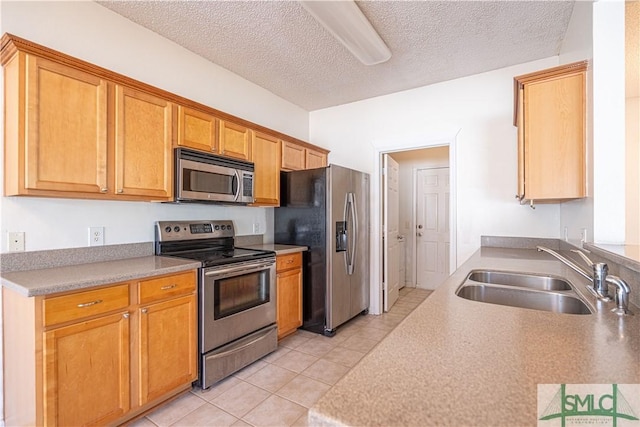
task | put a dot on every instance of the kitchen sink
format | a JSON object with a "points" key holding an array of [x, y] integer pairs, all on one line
{"points": [[545, 283], [556, 302]]}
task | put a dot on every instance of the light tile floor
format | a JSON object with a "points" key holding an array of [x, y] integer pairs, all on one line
{"points": [[279, 389]]}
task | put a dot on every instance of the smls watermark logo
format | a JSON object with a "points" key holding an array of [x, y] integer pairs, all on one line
{"points": [[611, 405]]}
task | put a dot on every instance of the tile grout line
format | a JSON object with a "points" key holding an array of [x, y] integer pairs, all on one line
{"points": [[357, 328]]}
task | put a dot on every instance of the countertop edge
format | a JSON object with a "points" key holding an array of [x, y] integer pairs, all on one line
{"points": [[279, 249], [355, 398], [178, 265]]}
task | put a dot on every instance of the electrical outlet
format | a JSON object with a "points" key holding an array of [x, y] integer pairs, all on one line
{"points": [[16, 241], [96, 236], [256, 228], [583, 235]]}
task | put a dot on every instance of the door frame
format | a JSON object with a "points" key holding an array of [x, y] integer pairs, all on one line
{"points": [[405, 144]]}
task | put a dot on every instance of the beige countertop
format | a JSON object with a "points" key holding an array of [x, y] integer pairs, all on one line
{"points": [[277, 248], [59, 279], [466, 363]]}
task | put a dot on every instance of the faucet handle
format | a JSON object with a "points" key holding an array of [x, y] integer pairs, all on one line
{"points": [[584, 257]]}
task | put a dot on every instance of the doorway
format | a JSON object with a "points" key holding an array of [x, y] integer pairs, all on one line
{"points": [[428, 251]]}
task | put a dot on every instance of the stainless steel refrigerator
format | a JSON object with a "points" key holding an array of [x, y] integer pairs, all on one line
{"points": [[327, 209]]}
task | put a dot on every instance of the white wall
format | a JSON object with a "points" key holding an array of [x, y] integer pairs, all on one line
{"points": [[475, 114], [95, 34], [608, 122], [481, 107], [577, 215], [633, 170]]}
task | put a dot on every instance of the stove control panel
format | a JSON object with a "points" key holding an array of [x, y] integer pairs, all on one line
{"points": [[191, 230]]}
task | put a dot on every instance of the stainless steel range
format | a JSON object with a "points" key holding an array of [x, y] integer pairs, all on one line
{"points": [[236, 295]]}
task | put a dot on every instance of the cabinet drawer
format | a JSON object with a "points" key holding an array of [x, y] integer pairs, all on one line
{"points": [[286, 262], [84, 304], [167, 286]]}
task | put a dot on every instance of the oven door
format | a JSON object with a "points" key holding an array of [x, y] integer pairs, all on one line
{"points": [[203, 181], [236, 300]]}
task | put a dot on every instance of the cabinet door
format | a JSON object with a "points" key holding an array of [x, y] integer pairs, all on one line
{"points": [[293, 156], [289, 301], [167, 349], [197, 130], [554, 127], [66, 139], [266, 180], [315, 159], [86, 372], [143, 145], [235, 141]]}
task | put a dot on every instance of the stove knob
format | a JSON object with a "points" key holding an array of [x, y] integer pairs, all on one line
{"points": [[216, 227], [167, 229], [176, 228]]}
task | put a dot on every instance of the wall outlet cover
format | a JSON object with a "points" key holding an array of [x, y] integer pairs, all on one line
{"points": [[15, 241], [96, 236]]}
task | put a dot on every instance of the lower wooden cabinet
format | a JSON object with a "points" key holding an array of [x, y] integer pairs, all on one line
{"points": [[99, 356], [167, 346], [289, 290], [86, 372]]}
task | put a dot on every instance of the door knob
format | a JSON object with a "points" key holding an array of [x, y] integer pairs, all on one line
{"points": [[420, 227], [419, 234]]}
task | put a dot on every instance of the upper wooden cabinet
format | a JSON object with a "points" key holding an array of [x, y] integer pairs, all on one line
{"points": [[73, 134], [266, 159], [56, 128], [73, 129], [297, 157], [550, 113], [235, 140], [197, 130], [143, 149], [315, 159]]}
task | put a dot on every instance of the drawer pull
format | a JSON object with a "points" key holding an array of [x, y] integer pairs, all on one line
{"points": [[144, 311], [126, 315], [89, 304], [289, 261], [166, 288]]}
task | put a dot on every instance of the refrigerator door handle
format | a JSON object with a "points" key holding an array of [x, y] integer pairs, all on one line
{"points": [[352, 223]]}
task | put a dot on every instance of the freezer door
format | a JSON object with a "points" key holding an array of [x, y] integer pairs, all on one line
{"points": [[360, 276], [340, 184]]}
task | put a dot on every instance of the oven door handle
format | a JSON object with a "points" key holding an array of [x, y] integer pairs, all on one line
{"points": [[239, 348], [245, 269]]}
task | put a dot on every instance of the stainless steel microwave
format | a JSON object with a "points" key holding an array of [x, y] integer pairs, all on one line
{"points": [[203, 177]]}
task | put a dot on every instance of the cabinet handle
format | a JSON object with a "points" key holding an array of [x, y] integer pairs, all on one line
{"points": [[89, 304], [144, 311], [166, 288], [120, 191], [126, 315], [104, 189]]}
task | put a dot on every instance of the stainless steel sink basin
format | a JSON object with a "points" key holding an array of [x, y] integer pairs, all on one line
{"points": [[530, 281], [556, 302]]}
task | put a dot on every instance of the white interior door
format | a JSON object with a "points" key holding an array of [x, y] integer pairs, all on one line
{"points": [[391, 222], [432, 227]]}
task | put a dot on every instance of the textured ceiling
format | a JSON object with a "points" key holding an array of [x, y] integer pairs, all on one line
{"points": [[279, 46]]}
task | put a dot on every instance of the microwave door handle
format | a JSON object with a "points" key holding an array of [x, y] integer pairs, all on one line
{"points": [[237, 190]]}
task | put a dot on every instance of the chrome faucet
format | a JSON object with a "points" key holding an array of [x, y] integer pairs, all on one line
{"points": [[600, 279], [600, 272]]}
